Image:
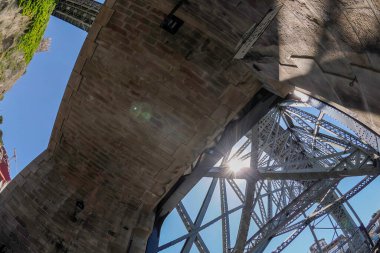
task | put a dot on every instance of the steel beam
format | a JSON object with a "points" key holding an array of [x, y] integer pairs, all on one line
{"points": [[225, 221], [185, 217], [245, 219], [329, 127], [201, 214], [299, 205], [314, 174], [359, 128], [241, 196], [259, 106], [197, 230], [322, 210]]}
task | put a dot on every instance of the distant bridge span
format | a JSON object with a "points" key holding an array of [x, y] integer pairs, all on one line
{"points": [[80, 13]]}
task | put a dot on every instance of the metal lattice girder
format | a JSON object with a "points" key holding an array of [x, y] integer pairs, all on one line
{"points": [[284, 149], [299, 205], [361, 130], [346, 223], [201, 214], [245, 218], [322, 210], [282, 195], [185, 217], [289, 148], [197, 230], [241, 196], [304, 128], [80, 13], [356, 158], [225, 220], [354, 161], [357, 164], [241, 149], [329, 127]]}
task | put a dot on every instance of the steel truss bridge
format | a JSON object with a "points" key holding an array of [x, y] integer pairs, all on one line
{"points": [[284, 178], [80, 13]]}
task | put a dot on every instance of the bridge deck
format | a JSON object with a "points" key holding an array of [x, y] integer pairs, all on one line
{"points": [[80, 13]]}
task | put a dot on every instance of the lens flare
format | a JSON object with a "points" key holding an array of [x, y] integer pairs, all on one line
{"points": [[235, 165], [141, 111]]}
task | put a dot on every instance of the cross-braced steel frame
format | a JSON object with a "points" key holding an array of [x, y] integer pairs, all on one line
{"points": [[80, 13], [285, 172]]}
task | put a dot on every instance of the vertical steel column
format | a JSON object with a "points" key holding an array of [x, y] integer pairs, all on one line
{"points": [[225, 220], [249, 195], [348, 226]]}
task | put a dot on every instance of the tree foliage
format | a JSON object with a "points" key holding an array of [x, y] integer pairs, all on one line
{"points": [[39, 12]]}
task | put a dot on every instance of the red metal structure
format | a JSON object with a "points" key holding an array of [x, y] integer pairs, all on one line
{"points": [[4, 167]]}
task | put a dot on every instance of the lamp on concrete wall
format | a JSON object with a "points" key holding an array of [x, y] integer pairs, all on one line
{"points": [[171, 22]]}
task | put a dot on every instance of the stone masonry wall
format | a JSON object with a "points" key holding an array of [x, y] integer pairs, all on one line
{"points": [[140, 106]]}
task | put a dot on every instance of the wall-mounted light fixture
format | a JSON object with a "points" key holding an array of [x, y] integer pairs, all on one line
{"points": [[172, 23]]}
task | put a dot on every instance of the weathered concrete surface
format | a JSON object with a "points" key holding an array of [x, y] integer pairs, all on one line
{"points": [[329, 49], [142, 104]]}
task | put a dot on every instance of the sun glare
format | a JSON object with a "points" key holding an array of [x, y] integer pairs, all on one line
{"points": [[304, 98], [235, 165]]}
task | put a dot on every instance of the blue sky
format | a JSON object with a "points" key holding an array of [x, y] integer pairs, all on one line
{"points": [[30, 107]]}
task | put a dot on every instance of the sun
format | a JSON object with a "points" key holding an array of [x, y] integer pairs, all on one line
{"points": [[235, 165]]}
